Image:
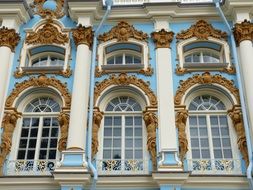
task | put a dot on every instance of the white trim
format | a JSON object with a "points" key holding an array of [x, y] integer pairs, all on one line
{"points": [[181, 54], [102, 56]]}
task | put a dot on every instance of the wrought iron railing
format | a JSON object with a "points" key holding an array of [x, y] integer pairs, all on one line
{"points": [[214, 166], [120, 166], [30, 167], [140, 2]]}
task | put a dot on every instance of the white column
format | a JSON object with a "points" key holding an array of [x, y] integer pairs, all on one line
{"points": [[244, 41], [6, 56], [80, 98], [166, 113]]}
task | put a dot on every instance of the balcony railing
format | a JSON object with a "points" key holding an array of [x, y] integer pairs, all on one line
{"points": [[215, 166], [119, 166], [140, 2], [30, 167]]}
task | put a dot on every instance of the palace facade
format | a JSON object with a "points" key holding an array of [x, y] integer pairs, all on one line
{"points": [[126, 94]]}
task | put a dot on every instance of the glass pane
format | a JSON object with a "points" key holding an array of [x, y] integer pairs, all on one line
{"points": [[138, 121], [223, 121], [138, 154], [34, 132], [26, 122], [110, 61], [129, 154], [117, 121], [224, 131], [194, 132], [23, 143], [195, 154], [43, 154], [226, 142], [227, 153], [205, 154], [204, 142], [214, 120], [129, 59], [196, 57], [193, 120], [119, 59], [217, 154], [116, 142], [35, 122], [52, 154], [202, 120], [54, 132], [32, 143], [138, 132], [55, 122], [107, 154], [215, 131], [129, 121], [108, 121], [46, 122], [24, 132], [107, 142], [45, 132], [108, 132], [117, 132], [216, 142], [194, 142], [203, 131], [116, 154], [129, 143], [44, 143], [21, 154], [137, 60], [30, 154], [138, 143], [53, 143], [129, 132]]}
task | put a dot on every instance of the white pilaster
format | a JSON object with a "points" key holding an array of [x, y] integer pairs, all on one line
{"points": [[166, 114], [80, 98], [6, 56]]}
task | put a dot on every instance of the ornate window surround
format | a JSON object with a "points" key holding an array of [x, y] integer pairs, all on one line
{"points": [[123, 33], [206, 80], [45, 33], [10, 119], [203, 32]]}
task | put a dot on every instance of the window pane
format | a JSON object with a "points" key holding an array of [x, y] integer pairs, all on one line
{"points": [[194, 131], [226, 142], [32, 143], [129, 154], [46, 122], [119, 59], [23, 143], [203, 131], [45, 132], [108, 132], [54, 132], [52, 154], [117, 121], [138, 143], [129, 59], [116, 154], [138, 154], [43, 154], [193, 120], [108, 121], [195, 154], [217, 154], [137, 121], [204, 142], [138, 131], [21, 154], [24, 132], [34, 132], [107, 154], [137, 60], [107, 143], [129, 121], [194, 142], [129, 143], [129, 132], [215, 132], [26, 122], [227, 153], [35, 122], [117, 132], [53, 143], [205, 154], [117, 143], [30, 154], [216, 142], [44, 143]]}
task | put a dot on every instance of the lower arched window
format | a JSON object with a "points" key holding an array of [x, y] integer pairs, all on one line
{"points": [[37, 149], [123, 137], [211, 149]]}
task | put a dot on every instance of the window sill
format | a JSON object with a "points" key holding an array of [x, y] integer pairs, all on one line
{"points": [[58, 70], [107, 69], [196, 67]]}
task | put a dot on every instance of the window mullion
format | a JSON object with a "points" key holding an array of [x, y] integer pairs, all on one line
{"points": [[123, 138], [211, 148], [37, 149]]}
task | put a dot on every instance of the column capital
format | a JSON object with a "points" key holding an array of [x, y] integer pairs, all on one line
{"points": [[83, 35], [162, 38], [243, 31], [9, 38]]}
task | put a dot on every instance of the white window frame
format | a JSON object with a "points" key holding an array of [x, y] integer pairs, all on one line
{"points": [[225, 61], [208, 114], [48, 55], [103, 106], [102, 57]]}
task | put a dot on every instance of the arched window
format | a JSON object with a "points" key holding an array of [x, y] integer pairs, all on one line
{"points": [[123, 137], [37, 149], [210, 139]]}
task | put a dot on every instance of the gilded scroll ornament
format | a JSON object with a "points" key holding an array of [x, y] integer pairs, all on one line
{"points": [[181, 118], [40, 81], [97, 117], [83, 35], [8, 124], [236, 116], [205, 78], [38, 9], [48, 34], [243, 31], [151, 125], [122, 32], [64, 125], [162, 38], [201, 30], [9, 38], [147, 72], [124, 80]]}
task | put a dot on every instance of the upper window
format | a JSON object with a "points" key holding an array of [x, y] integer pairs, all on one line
{"points": [[123, 149], [211, 149], [37, 147]]}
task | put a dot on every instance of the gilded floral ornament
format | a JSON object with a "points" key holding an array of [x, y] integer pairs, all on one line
{"points": [[9, 38], [8, 124], [201, 30], [205, 78], [236, 116], [83, 35], [97, 117], [122, 32], [147, 72], [243, 31], [151, 123], [57, 13], [48, 34], [124, 80], [63, 119], [162, 38], [181, 118], [40, 81]]}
